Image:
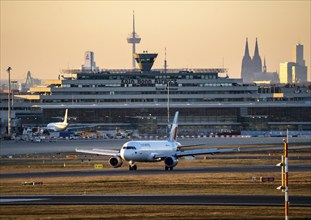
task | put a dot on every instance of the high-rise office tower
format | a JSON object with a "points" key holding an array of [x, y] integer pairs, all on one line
{"points": [[286, 72], [89, 61], [299, 55], [294, 72]]}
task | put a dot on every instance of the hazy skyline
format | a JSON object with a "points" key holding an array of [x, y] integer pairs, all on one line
{"points": [[47, 36]]}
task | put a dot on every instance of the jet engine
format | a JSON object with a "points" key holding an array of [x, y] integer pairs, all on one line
{"points": [[170, 162], [115, 162]]}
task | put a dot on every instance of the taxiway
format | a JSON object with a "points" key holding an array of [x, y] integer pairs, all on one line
{"points": [[232, 200], [154, 171]]}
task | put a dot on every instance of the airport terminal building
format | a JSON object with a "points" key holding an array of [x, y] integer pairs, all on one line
{"points": [[145, 99]]}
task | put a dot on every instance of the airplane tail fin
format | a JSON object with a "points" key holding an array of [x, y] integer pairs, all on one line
{"points": [[173, 133], [66, 116]]}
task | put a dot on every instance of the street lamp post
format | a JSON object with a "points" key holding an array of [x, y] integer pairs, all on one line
{"points": [[168, 105], [9, 103], [14, 83]]}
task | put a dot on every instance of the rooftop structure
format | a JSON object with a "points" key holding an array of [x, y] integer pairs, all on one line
{"points": [[145, 60], [89, 62]]}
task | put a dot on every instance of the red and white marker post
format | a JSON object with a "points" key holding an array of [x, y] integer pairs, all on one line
{"points": [[284, 186]]}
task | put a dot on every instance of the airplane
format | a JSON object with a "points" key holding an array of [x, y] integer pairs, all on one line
{"points": [[152, 151], [58, 126]]}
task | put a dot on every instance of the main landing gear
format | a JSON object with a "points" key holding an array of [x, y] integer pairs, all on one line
{"points": [[168, 168], [132, 166]]}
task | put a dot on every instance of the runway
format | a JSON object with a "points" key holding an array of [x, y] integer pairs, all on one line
{"points": [[227, 200], [22, 147], [154, 171]]}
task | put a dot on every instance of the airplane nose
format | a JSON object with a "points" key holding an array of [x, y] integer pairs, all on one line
{"points": [[122, 154], [127, 155]]}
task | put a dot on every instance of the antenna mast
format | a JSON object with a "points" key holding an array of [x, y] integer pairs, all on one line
{"points": [[165, 62], [133, 39]]}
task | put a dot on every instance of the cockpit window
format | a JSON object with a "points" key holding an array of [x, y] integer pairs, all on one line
{"points": [[129, 147]]}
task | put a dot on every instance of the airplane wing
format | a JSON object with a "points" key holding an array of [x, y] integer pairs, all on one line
{"points": [[204, 151], [196, 152], [189, 146], [99, 152]]}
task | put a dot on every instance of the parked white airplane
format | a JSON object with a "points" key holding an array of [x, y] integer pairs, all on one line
{"points": [[152, 151], [59, 126]]}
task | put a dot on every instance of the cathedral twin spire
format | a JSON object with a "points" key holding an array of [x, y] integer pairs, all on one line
{"points": [[257, 65], [246, 53], [250, 66]]}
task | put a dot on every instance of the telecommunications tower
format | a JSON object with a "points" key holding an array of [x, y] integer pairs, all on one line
{"points": [[133, 39]]}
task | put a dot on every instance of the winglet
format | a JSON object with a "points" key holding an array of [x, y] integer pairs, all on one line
{"points": [[173, 133], [66, 115]]}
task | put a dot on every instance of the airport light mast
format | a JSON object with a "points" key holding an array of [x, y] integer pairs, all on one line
{"points": [[165, 63], [9, 103], [168, 105], [133, 39]]}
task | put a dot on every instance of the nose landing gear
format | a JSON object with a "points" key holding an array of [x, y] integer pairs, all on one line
{"points": [[132, 166]]}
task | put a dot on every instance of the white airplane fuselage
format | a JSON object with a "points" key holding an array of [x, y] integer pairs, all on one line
{"points": [[167, 151], [146, 151], [57, 126]]}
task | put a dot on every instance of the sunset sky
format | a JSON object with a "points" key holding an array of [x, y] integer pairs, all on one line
{"points": [[47, 36]]}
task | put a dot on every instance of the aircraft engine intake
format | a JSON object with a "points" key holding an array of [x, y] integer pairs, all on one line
{"points": [[170, 162], [115, 162]]}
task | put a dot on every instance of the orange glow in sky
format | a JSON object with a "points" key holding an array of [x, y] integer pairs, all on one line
{"points": [[47, 36]]}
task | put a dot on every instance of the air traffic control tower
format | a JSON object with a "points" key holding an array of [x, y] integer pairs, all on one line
{"points": [[145, 60]]}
